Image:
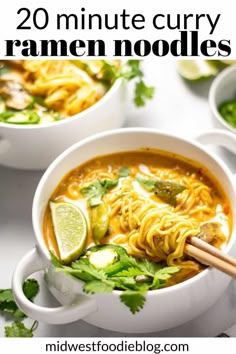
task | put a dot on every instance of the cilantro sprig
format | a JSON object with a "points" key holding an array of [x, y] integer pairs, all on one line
{"points": [[4, 69], [18, 329], [9, 306], [133, 277], [131, 70], [94, 192]]}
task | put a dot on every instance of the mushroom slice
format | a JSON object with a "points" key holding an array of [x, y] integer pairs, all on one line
{"points": [[15, 95]]}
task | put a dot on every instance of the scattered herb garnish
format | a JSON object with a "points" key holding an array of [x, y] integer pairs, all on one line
{"points": [[165, 190], [123, 172], [94, 192], [134, 300], [122, 272], [4, 69], [130, 70], [8, 305], [18, 329], [142, 93], [31, 288]]}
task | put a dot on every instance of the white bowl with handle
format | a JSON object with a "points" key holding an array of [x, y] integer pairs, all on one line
{"points": [[164, 308]]}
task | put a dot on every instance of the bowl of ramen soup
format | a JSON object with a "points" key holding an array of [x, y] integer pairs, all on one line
{"points": [[48, 105], [112, 216]]}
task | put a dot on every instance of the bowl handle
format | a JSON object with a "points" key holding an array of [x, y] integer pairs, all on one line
{"points": [[29, 264], [219, 137]]}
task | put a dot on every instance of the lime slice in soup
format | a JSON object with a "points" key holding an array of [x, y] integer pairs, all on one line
{"points": [[70, 228], [194, 70]]}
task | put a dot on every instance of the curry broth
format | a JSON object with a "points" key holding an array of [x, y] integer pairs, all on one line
{"points": [[167, 165]]}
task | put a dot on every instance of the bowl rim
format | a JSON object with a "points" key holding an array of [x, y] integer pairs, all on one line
{"points": [[81, 115], [43, 251], [211, 97]]}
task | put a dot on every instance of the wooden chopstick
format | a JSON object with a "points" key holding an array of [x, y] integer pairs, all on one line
{"points": [[210, 259], [202, 245]]}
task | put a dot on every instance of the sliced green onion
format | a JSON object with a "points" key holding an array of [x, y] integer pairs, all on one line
{"points": [[23, 117]]}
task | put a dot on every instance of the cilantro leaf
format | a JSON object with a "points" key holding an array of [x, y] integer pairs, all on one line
{"points": [[132, 70], [18, 329], [107, 73], [31, 288], [133, 299], [146, 183], [6, 296], [108, 184], [143, 93], [124, 282], [55, 261], [157, 283], [95, 192], [123, 172], [130, 272], [4, 69], [96, 286], [11, 308], [166, 272], [149, 267], [8, 305], [7, 302], [88, 271], [128, 261], [162, 275], [134, 277]]}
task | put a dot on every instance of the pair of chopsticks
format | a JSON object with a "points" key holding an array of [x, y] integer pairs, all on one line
{"points": [[209, 255]]}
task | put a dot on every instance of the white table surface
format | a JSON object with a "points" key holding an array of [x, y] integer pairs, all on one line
{"points": [[178, 108]]}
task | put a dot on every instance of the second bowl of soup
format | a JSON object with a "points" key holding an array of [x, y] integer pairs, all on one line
{"points": [[112, 216], [48, 105]]}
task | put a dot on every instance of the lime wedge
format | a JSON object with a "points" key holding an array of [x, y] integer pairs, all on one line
{"points": [[195, 70], [70, 228], [228, 62]]}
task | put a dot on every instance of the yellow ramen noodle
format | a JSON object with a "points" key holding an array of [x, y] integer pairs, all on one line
{"points": [[54, 89], [146, 225], [66, 88]]}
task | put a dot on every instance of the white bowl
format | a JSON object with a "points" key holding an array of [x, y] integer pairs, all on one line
{"points": [[36, 146], [164, 308], [222, 89]]}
